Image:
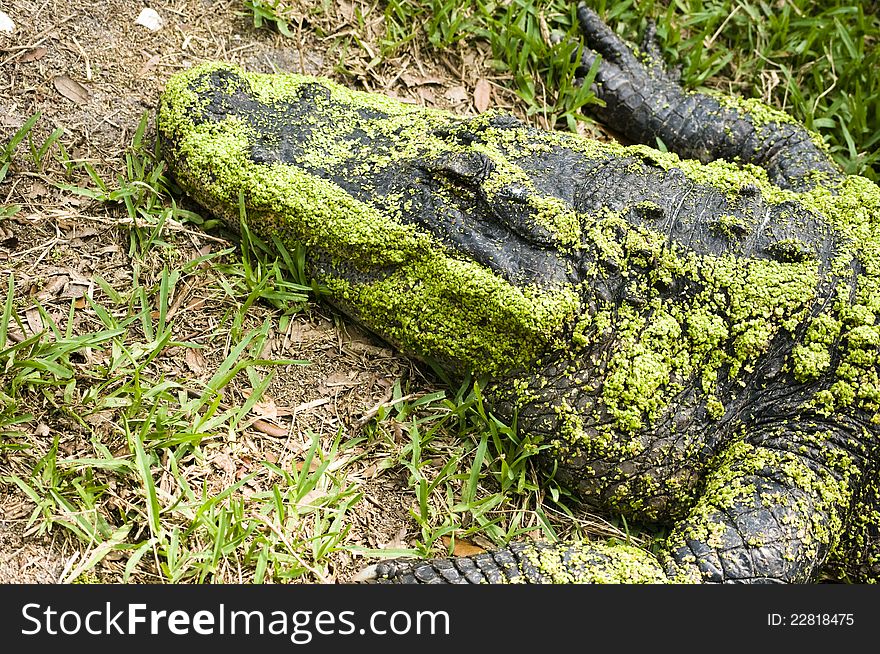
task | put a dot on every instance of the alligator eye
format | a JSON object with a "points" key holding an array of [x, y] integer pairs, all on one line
{"points": [[468, 167]]}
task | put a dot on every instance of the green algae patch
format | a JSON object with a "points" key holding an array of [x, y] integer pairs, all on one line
{"points": [[763, 117], [455, 312], [286, 200], [592, 563], [729, 322], [760, 114]]}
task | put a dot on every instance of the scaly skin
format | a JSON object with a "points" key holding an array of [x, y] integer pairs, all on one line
{"points": [[696, 343]]}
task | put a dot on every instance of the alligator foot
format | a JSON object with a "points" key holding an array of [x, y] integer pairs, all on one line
{"points": [[644, 103]]}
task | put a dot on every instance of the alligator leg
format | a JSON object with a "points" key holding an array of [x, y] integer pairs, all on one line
{"points": [[772, 511], [643, 102]]}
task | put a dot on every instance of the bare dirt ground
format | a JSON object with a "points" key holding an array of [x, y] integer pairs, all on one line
{"points": [[91, 70]]}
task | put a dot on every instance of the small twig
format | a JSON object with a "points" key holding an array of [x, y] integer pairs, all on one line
{"points": [[369, 415], [39, 38], [85, 58], [708, 44], [169, 223]]}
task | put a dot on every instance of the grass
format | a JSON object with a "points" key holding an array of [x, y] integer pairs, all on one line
{"points": [[471, 475], [273, 13], [158, 425], [131, 497]]}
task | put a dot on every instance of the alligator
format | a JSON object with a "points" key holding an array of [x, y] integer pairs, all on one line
{"points": [[690, 335]]}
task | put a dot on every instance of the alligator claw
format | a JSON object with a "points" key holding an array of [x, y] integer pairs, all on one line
{"points": [[604, 41]]}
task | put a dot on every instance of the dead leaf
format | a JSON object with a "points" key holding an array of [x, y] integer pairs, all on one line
{"points": [[427, 95], [225, 463], [309, 498], [33, 55], [456, 94], [194, 360], [76, 290], [266, 409], [462, 547], [71, 89], [314, 465], [37, 190], [53, 288], [34, 320], [270, 429], [151, 63], [482, 94]]}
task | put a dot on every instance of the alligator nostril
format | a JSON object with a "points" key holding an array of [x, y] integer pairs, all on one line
{"points": [[730, 227]]}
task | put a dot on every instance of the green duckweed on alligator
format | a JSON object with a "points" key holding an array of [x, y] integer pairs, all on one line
{"points": [[693, 336]]}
